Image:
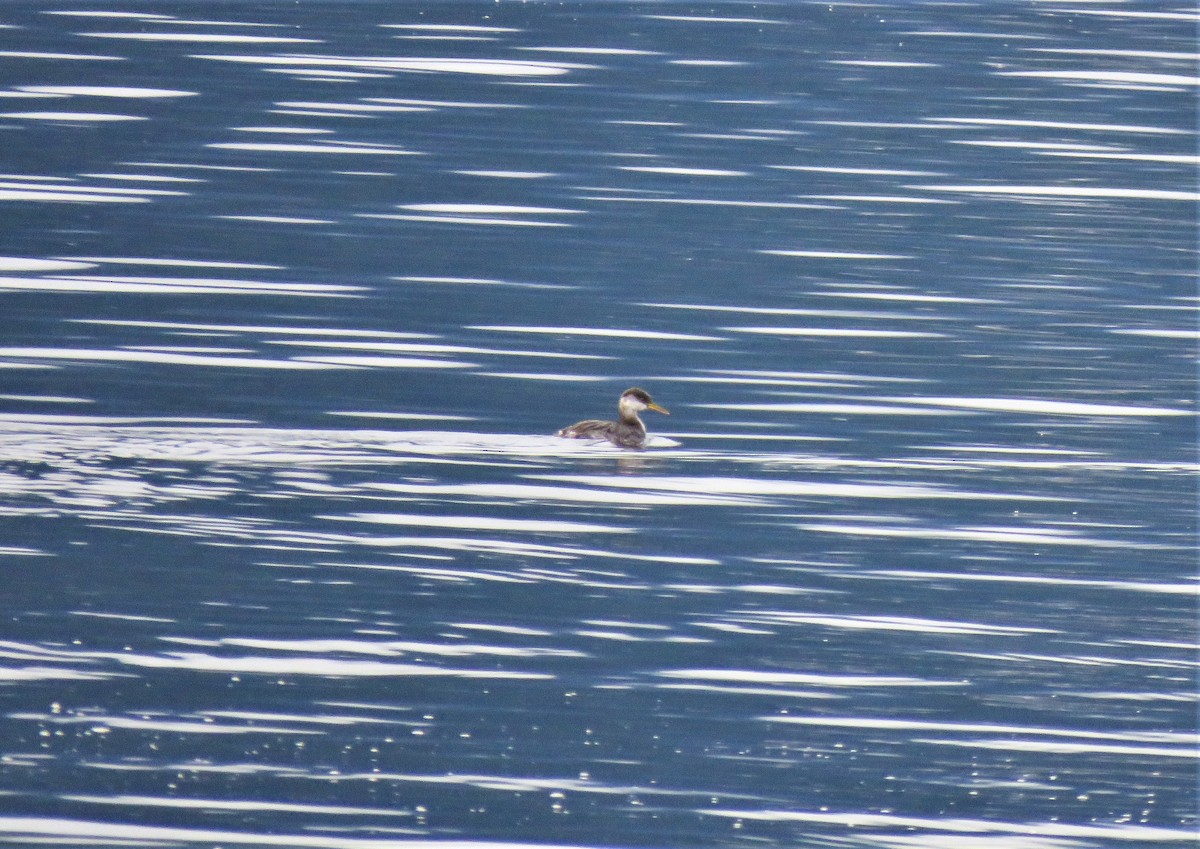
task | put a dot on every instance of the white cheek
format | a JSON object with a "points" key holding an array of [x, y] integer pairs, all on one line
{"points": [[631, 405]]}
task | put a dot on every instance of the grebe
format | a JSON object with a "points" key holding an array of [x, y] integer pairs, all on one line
{"points": [[628, 431]]}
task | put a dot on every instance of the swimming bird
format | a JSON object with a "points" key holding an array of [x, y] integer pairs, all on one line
{"points": [[628, 431]]}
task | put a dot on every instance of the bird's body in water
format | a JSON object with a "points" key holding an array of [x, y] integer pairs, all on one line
{"points": [[628, 431]]}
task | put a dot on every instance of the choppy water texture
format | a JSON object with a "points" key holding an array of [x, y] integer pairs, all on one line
{"points": [[293, 295]]}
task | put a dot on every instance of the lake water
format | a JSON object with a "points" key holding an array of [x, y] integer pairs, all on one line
{"points": [[294, 295]]}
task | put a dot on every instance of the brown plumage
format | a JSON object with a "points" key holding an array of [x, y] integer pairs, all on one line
{"points": [[628, 431]]}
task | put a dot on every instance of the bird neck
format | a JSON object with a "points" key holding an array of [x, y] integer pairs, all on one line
{"points": [[630, 417]]}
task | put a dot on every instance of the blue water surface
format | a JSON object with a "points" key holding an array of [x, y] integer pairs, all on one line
{"points": [[294, 295]]}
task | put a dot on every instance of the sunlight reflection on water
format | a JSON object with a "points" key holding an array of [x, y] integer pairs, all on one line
{"points": [[295, 301]]}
